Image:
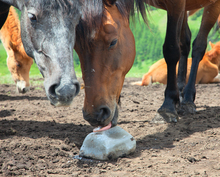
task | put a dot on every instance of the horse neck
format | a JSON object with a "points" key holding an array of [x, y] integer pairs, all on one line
{"points": [[11, 30]]}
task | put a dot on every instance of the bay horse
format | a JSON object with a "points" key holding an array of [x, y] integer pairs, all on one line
{"points": [[106, 55], [48, 36], [18, 62], [103, 71], [103, 84], [208, 69]]}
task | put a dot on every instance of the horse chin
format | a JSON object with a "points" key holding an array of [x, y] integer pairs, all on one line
{"points": [[63, 93], [21, 87], [58, 103], [114, 120]]}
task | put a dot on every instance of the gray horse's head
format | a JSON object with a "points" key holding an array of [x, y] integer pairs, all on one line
{"points": [[48, 36]]}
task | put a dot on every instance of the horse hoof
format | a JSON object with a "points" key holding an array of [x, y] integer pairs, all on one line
{"points": [[187, 108], [163, 117]]}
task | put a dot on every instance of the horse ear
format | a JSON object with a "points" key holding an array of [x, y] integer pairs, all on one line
{"points": [[15, 3], [211, 44], [212, 54]]}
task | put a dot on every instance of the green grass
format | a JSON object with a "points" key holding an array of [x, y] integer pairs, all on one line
{"points": [[3, 66], [3, 53], [7, 79], [139, 71]]}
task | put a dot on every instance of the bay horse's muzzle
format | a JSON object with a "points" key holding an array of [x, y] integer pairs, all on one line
{"points": [[102, 117]]}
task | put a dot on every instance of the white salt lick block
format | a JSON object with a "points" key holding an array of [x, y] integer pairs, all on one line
{"points": [[108, 145]]}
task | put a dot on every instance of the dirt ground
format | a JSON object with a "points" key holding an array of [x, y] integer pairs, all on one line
{"points": [[38, 139]]}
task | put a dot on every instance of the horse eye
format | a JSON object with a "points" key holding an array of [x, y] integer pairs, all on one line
{"points": [[113, 43], [18, 64], [32, 17]]}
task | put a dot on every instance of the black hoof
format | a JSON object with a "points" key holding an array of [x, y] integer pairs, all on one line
{"points": [[163, 116], [187, 108]]}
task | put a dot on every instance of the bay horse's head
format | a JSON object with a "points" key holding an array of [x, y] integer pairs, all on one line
{"points": [[48, 36], [105, 60]]}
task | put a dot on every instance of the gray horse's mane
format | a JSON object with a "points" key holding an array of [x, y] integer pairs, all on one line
{"points": [[64, 6]]}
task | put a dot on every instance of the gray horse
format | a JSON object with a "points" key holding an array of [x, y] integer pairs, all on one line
{"points": [[48, 35]]}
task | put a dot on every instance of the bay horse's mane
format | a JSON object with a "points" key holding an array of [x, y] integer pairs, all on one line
{"points": [[93, 12]]}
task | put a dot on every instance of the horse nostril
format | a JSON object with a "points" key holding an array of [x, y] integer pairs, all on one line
{"points": [[63, 91], [77, 86], [52, 91], [24, 90], [104, 113]]}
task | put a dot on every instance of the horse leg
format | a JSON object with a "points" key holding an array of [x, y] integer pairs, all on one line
{"points": [[185, 48], [209, 18], [4, 9], [171, 51]]}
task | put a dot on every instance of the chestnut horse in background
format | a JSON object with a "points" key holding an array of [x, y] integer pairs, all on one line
{"points": [[19, 63], [208, 69]]}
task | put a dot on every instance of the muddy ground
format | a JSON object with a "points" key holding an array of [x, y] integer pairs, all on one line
{"points": [[37, 139]]}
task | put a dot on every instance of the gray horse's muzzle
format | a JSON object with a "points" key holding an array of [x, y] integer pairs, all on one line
{"points": [[62, 93]]}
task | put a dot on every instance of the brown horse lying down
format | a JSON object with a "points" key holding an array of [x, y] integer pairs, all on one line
{"points": [[19, 63], [207, 71]]}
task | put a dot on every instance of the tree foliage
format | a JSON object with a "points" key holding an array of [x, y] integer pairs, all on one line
{"points": [[148, 41]]}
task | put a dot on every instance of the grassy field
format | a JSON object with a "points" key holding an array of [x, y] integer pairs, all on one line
{"points": [[158, 17]]}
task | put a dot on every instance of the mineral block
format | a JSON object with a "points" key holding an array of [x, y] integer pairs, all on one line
{"points": [[108, 145]]}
